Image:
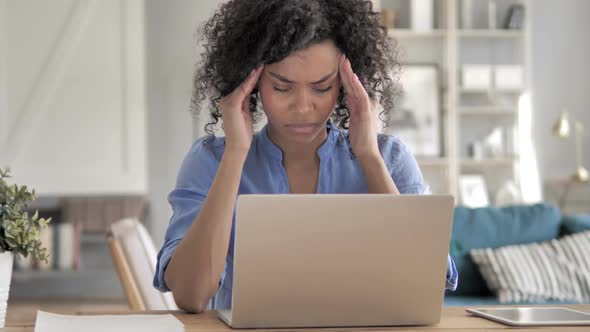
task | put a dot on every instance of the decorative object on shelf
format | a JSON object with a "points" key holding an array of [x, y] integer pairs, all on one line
{"points": [[473, 190], [562, 129], [388, 18], [19, 234], [422, 15], [508, 77], [511, 141], [476, 76], [417, 114], [515, 17], [493, 143], [508, 194], [475, 150], [492, 14], [467, 14]]}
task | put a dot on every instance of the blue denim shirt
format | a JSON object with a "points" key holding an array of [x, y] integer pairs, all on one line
{"points": [[263, 173]]}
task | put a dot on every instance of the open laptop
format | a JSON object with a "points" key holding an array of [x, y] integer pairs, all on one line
{"points": [[339, 260]]}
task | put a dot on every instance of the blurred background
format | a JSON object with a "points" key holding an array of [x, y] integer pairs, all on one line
{"points": [[94, 99]]}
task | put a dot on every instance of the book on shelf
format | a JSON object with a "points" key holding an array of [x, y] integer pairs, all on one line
{"points": [[46, 237], [62, 241]]}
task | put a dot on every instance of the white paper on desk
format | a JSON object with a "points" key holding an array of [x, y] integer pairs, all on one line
{"points": [[49, 322]]}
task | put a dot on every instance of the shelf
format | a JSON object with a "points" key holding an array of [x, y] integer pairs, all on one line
{"points": [[408, 33], [492, 162], [95, 283], [35, 275], [432, 162], [93, 238], [439, 33], [564, 181], [490, 91], [487, 33], [488, 111]]}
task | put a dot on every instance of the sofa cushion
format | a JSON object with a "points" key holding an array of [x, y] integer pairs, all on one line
{"points": [[465, 301], [558, 269], [492, 227], [576, 223]]}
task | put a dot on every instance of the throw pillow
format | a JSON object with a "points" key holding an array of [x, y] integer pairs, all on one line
{"points": [[576, 223], [493, 227], [545, 271]]}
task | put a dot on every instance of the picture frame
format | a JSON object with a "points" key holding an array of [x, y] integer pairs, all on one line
{"points": [[416, 117], [473, 190]]}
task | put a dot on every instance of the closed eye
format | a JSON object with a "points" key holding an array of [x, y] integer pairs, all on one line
{"points": [[276, 88], [323, 90]]}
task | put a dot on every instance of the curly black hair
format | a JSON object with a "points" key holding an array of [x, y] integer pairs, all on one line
{"points": [[242, 34]]}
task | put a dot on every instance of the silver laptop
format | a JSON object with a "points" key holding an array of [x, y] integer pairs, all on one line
{"points": [[339, 260]]}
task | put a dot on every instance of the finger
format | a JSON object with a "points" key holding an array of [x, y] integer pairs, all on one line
{"points": [[359, 88], [246, 87], [344, 77], [246, 104], [354, 81]]}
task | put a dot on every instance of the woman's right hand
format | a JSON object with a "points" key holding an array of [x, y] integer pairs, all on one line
{"points": [[236, 115]]}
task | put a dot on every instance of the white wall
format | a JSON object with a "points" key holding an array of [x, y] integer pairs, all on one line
{"points": [[560, 78], [72, 102], [171, 55]]}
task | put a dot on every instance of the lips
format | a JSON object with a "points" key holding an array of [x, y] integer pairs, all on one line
{"points": [[302, 128]]}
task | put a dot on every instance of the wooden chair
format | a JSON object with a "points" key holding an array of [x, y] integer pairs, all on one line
{"points": [[125, 276], [134, 256]]}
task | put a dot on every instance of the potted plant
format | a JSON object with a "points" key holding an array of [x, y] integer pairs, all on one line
{"points": [[19, 233]]}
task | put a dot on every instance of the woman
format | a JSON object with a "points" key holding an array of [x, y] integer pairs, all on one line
{"points": [[315, 68]]}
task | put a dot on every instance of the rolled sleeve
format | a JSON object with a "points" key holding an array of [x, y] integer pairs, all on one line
{"points": [[452, 275], [193, 182], [404, 168], [163, 259]]}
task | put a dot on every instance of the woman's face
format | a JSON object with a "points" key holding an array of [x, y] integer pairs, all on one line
{"points": [[299, 93]]}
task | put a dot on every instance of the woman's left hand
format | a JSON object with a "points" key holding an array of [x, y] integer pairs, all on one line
{"points": [[362, 124]]}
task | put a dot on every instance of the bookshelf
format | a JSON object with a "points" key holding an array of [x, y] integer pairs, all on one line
{"points": [[468, 113], [94, 278], [80, 264]]}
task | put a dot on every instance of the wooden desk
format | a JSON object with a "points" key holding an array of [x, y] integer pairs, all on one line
{"points": [[22, 319]]}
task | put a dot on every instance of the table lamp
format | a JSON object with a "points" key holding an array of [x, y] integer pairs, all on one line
{"points": [[562, 129]]}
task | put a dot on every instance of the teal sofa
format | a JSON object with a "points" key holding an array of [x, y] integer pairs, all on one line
{"points": [[492, 227]]}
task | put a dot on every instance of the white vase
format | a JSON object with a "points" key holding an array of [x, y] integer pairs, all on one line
{"points": [[6, 261], [508, 194]]}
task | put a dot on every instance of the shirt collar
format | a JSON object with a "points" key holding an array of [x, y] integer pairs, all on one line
{"points": [[274, 152]]}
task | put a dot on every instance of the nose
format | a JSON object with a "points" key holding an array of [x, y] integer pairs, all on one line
{"points": [[303, 102]]}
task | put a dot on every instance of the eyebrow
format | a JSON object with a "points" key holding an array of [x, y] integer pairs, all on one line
{"points": [[286, 80]]}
